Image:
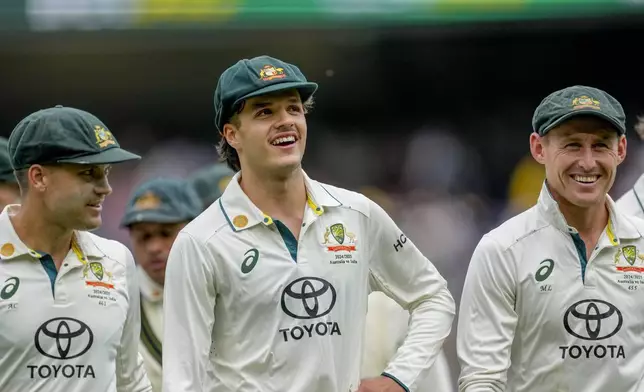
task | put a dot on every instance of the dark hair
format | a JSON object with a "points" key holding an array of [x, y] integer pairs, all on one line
{"points": [[227, 153]]}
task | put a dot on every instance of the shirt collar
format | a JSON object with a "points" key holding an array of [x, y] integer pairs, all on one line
{"points": [[241, 213], [151, 290], [11, 246], [619, 226]]}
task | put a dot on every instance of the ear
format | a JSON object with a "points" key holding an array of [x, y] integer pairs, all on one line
{"points": [[38, 177], [537, 147], [621, 149], [231, 133]]}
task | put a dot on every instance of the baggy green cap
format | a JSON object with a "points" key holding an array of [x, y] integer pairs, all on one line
{"points": [[162, 200], [6, 170], [254, 77], [574, 101], [210, 182], [64, 135]]}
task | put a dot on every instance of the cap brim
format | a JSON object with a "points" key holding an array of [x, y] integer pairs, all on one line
{"points": [[593, 112], [151, 217], [306, 90], [112, 155]]}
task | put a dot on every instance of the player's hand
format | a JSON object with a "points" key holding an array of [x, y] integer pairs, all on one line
{"points": [[379, 384]]}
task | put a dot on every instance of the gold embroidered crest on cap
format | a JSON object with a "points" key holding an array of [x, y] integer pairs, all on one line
{"points": [[585, 102], [147, 201], [269, 72], [104, 137]]}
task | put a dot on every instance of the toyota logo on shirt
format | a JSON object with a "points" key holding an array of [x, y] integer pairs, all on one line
{"points": [[593, 319], [308, 298], [63, 338]]}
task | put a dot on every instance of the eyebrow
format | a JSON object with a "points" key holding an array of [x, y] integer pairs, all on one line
{"points": [[263, 104]]}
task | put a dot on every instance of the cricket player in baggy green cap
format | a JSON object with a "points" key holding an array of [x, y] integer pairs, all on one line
{"points": [[155, 213], [69, 299], [552, 297], [267, 289], [9, 190]]}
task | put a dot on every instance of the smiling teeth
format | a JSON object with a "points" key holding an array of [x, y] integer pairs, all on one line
{"points": [[586, 179], [285, 139]]}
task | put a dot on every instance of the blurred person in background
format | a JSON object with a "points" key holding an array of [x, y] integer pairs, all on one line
{"points": [[526, 182], [549, 303], [168, 158], [267, 289], [9, 189], [387, 324], [69, 305], [156, 212], [210, 182], [632, 202]]}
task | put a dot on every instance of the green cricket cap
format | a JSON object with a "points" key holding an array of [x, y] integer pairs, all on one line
{"points": [[574, 101], [162, 200], [64, 135], [6, 170], [210, 182], [254, 77]]}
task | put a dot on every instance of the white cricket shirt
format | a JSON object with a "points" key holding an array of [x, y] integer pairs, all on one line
{"points": [[72, 330], [250, 308], [540, 315], [151, 346], [632, 202]]}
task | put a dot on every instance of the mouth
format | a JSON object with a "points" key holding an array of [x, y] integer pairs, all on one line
{"points": [[284, 140], [157, 265], [95, 205], [585, 179]]}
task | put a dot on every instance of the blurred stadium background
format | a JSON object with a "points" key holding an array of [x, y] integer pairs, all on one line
{"points": [[424, 105]]}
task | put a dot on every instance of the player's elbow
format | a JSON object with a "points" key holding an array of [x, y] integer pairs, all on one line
{"points": [[441, 301]]}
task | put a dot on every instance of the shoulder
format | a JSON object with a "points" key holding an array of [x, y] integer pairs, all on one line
{"points": [[207, 226], [106, 248], [345, 198], [519, 228]]}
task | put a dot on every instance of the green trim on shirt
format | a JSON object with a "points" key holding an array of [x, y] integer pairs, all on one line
{"points": [[289, 239], [403, 386], [50, 268], [581, 251]]}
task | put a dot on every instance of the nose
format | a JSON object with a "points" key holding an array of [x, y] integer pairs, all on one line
{"points": [[285, 120], [155, 246], [103, 187], [587, 160]]}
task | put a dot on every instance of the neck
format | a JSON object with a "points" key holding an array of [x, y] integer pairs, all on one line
{"points": [[41, 234], [587, 220], [281, 197]]}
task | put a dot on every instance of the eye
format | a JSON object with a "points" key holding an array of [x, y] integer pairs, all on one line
{"points": [[601, 145], [263, 112], [295, 108]]}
